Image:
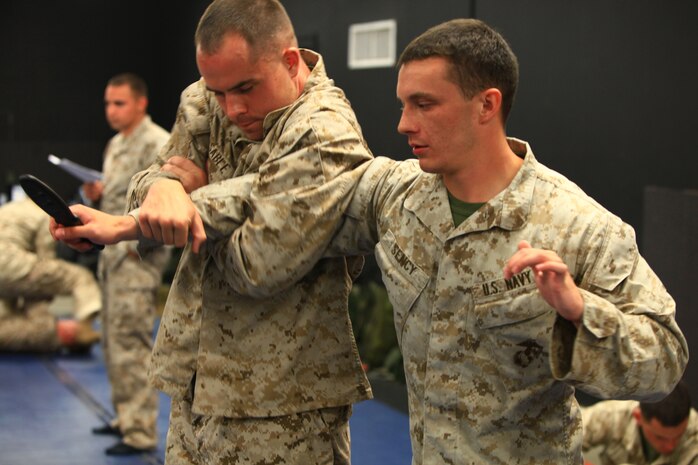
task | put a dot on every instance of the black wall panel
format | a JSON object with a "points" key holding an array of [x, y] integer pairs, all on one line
{"points": [[55, 59], [671, 229]]}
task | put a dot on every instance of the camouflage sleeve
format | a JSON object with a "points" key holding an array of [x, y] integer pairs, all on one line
{"points": [[189, 138], [358, 232], [224, 205], [294, 206], [629, 345]]}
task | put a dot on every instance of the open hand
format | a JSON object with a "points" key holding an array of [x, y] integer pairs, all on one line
{"points": [[552, 278]]}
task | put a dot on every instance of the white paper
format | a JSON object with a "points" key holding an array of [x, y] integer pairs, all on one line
{"points": [[83, 173]]}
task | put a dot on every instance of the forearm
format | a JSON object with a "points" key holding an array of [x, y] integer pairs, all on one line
{"points": [[637, 349]]}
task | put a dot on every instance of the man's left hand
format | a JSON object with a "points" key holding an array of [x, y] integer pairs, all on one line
{"points": [[552, 278]]}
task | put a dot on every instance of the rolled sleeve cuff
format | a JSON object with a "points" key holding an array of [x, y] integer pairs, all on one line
{"points": [[574, 349]]}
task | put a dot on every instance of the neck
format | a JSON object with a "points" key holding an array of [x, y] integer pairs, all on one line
{"points": [[132, 127], [302, 77], [488, 170]]}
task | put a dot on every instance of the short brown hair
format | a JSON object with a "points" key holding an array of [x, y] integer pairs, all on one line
{"points": [[135, 82], [672, 410], [479, 56], [264, 24]]}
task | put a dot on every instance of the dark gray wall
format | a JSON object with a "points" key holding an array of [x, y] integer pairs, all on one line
{"points": [[671, 228]]}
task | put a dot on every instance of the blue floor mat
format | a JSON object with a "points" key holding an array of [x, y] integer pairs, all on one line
{"points": [[48, 405]]}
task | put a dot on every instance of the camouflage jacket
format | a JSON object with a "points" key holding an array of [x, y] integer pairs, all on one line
{"points": [[490, 367], [610, 426], [275, 338], [24, 238], [124, 156]]}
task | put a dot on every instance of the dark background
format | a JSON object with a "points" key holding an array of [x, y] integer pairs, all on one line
{"points": [[607, 92]]}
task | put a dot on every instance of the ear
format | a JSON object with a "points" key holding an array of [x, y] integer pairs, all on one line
{"points": [[292, 59], [142, 103], [491, 104], [637, 414]]}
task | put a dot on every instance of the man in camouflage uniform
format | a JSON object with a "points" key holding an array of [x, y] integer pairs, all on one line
{"points": [[260, 370], [129, 284], [31, 276], [510, 286], [643, 433]]}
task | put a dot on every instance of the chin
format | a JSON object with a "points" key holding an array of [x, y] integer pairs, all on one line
{"points": [[254, 134], [427, 167]]}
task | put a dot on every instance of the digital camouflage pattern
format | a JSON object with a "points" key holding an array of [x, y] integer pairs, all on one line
{"points": [[315, 437], [130, 289], [610, 427], [276, 339], [31, 276], [490, 367]]}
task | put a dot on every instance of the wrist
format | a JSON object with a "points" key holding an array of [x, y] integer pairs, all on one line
{"points": [[128, 228]]}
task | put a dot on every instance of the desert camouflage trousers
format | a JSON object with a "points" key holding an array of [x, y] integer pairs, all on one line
{"points": [[26, 323], [128, 316], [316, 437]]}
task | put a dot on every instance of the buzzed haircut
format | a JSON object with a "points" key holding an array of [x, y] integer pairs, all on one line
{"points": [[480, 57], [672, 410], [135, 82], [264, 24]]}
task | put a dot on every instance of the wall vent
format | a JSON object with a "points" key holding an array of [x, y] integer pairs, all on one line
{"points": [[372, 45]]}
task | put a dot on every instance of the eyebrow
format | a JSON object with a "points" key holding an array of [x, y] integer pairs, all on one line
{"points": [[417, 96], [233, 88], [420, 95]]}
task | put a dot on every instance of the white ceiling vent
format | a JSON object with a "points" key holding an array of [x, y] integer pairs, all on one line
{"points": [[372, 45]]}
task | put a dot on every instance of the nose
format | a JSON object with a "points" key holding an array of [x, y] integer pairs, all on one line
{"points": [[405, 125], [109, 110], [671, 444], [233, 106]]}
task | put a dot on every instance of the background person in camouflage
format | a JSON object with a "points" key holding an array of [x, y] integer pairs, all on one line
{"points": [[510, 286], [31, 276], [129, 284], [261, 365], [643, 433]]}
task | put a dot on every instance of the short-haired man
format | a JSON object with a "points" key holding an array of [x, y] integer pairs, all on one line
{"points": [[261, 366], [643, 433], [129, 284], [510, 286]]}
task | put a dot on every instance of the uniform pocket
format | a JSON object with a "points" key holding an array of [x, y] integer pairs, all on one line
{"points": [[515, 324]]}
